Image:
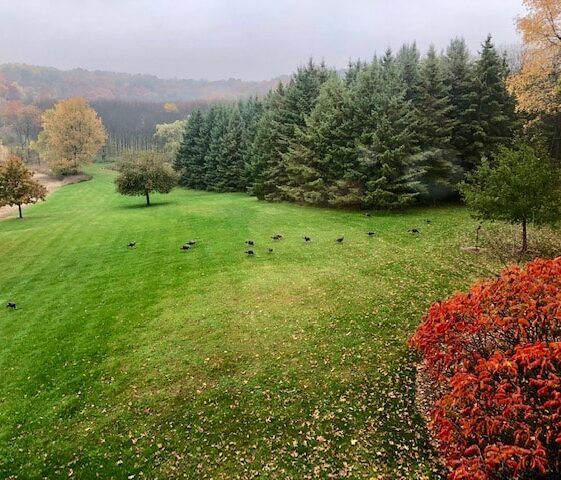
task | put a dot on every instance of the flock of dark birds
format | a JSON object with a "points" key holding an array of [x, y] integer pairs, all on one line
{"points": [[250, 243]]}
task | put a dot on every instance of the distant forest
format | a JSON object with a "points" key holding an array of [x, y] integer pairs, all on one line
{"points": [[42, 83], [130, 105], [399, 129]]}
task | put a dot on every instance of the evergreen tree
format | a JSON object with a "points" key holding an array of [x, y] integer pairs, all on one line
{"points": [[271, 143], [251, 112], [496, 117], [387, 144], [216, 134], [437, 155], [408, 59], [459, 71], [189, 161], [230, 167], [322, 151]]}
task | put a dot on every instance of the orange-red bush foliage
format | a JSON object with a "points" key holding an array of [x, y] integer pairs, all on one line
{"points": [[497, 352]]}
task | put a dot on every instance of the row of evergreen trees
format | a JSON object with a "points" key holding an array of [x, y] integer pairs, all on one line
{"points": [[383, 135]]}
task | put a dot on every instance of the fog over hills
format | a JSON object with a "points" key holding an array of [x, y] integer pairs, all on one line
{"points": [[42, 83]]}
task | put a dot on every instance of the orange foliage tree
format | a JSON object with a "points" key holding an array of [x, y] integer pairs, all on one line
{"points": [[496, 352], [17, 185], [72, 135], [536, 85]]}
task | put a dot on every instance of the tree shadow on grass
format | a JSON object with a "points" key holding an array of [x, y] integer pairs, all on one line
{"points": [[140, 206]]}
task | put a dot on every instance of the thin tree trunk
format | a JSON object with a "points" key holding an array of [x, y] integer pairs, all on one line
{"points": [[147, 198], [524, 236], [19, 208]]}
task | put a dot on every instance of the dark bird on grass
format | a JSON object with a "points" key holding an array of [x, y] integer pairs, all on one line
{"points": [[278, 236], [185, 246], [191, 242], [340, 239], [131, 245], [371, 234], [367, 214], [269, 250], [11, 305], [307, 239], [428, 221], [250, 242], [250, 252], [414, 231]]}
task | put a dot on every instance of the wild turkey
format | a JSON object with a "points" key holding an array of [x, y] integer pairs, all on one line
{"points": [[131, 245], [250, 242], [11, 305], [340, 239], [250, 252], [371, 234], [185, 246], [307, 239]]}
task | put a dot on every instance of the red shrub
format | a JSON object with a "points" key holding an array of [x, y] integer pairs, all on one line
{"points": [[497, 353]]}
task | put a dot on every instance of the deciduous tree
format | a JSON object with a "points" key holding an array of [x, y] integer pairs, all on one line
{"points": [[520, 186], [17, 185], [142, 173], [72, 135]]}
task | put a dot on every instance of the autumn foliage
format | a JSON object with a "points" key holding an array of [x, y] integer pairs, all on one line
{"points": [[496, 352]]}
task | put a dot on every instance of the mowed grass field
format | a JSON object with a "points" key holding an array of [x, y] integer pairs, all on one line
{"points": [[156, 363]]}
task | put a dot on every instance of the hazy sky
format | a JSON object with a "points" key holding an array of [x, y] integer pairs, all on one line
{"points": [[248, 39]]}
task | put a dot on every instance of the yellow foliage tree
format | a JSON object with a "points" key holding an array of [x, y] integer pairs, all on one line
{"points": [[536, 85], [72, 135]]}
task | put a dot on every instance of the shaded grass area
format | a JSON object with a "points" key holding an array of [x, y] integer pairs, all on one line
{"points": [[157, 363]]}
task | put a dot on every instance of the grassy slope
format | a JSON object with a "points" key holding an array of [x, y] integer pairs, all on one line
{"points": [[155, 363]]}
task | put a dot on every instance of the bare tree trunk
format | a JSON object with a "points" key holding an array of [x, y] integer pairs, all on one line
{"points": [[524, 236], [19, 208], [147, 198]]}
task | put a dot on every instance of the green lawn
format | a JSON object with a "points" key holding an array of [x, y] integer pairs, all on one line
{"points": [[156, 363]]}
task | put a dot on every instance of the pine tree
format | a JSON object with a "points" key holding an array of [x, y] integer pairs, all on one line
{"points": [[460, 74], [251, 112], [271, 142], [496, 117], [230, 167], [408, 59], [437, 155], [216, 133], [319, 156], [390, 175], [189, 161]]}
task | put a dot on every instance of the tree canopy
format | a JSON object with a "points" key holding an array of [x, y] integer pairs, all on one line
{"points": [[72, 135], [520, 186], [17, 185], [397, 130], [142, 173]]}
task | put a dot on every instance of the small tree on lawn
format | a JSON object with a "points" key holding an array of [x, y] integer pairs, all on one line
{"points": [[145, 172], [520, 186], [17, 185]]}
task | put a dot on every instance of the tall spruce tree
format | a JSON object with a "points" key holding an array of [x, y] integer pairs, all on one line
{"points": [[437, 156], [460, 74], [408, 64], [189, 161], [251, 112], [390, 174], [230, 167], [216, 134], [272, 135], [322, 151], [496, 116]]}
